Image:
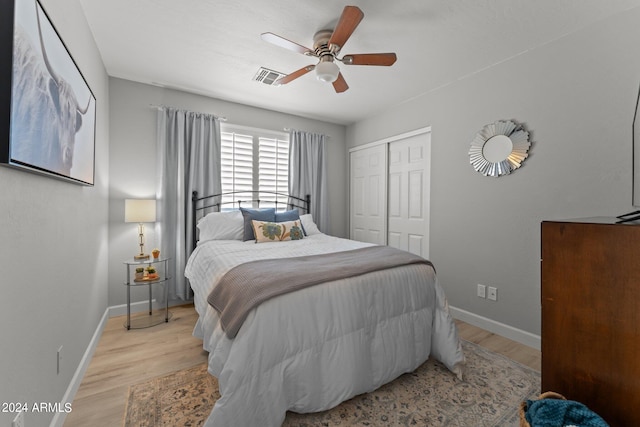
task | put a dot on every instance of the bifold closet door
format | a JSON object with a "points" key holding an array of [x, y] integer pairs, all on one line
{"points": [[408, 194], [368, 222]]}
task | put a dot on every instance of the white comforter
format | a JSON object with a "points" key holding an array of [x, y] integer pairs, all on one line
{"points": [[309, 350]]}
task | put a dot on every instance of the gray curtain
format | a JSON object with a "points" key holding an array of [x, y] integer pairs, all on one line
{"points": [[189, 151], [308, 173]]}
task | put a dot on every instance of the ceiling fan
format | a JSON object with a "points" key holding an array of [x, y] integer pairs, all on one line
{"points": [[326, 47]]}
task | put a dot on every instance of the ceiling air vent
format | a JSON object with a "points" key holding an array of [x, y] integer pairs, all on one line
{"points": [[267, 76]]}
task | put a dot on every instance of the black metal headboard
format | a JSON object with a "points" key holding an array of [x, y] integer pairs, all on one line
{"points": [[214, 204]]}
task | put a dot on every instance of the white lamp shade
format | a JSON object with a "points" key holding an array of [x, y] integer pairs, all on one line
{"points": [[139, 210], [327, 71]]}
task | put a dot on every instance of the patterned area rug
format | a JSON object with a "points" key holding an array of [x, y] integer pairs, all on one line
{"points": [[489, 395]]}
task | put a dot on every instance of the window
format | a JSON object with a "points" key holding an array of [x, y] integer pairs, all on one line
{"points": [[255, 160]]}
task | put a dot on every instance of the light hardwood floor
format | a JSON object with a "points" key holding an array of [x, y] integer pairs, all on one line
{"points": [[123, 358]]}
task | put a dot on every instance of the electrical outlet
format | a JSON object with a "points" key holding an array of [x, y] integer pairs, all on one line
{"points": [[18, 421], [59, 361], [482, 291], [493, 293]]}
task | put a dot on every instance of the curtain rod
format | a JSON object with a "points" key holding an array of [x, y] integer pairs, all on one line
{"points": [[290, 129], [156, 106]]}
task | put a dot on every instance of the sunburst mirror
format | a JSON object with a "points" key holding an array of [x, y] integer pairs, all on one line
{"points": [[499, 148]]}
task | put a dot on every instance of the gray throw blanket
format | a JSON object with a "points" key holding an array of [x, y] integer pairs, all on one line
{"points": [[247, 285]]}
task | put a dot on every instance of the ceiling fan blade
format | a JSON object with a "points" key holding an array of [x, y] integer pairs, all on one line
{"points": [[340, 85], [287, 44], [290, 77], [349, 20], [384, 59]]}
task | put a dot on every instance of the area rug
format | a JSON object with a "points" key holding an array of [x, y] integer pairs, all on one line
{"points": [[489, 395]]}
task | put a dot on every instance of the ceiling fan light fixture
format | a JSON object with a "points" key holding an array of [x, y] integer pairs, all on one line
{"points": [[327, 44], [327, 71]]}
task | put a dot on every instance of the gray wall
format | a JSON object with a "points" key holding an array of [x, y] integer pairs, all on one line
{"points": [[53, 253], [133, 160], [577, 97]]}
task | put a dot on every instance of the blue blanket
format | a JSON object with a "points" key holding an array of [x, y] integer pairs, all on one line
{"points": [[559, 413]]}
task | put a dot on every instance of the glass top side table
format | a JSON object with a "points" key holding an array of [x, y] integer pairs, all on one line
{"points": [[149, 272]]}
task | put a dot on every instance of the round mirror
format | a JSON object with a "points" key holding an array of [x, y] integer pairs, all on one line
{"points": [[499, 148]]}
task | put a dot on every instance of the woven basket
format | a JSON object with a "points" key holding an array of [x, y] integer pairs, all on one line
{"points": [[545, 395]]}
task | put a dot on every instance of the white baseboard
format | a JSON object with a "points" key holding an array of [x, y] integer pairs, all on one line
{"points": [[136, 307], [69, 395], [72, 389], [515, 334]]}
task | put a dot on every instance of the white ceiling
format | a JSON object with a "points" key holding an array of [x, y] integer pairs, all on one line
{"points": [[213, 47]]}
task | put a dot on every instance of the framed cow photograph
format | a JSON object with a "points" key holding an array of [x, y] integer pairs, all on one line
{"points": [[47, 109]]}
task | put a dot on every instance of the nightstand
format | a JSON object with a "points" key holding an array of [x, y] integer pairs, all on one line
{"points": [[162, 270]]}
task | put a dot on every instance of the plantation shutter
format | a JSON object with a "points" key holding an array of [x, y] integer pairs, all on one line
{"points": [[273, 171], [237, 167], [254, 160]]}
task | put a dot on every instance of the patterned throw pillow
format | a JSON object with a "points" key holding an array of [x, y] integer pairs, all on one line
{"points": [[277, 231]]}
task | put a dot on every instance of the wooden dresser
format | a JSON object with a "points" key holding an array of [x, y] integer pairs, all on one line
{"points": [[591, 315]]}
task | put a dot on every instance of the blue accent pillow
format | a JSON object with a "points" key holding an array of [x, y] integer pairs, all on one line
{"points": [[291, 215], [249, 215]]}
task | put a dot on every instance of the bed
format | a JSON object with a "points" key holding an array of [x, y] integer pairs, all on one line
{"points": [[310, 349]]}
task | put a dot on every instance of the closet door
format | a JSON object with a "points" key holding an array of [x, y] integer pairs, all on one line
{"points": [[368, 194], [408, 194]]}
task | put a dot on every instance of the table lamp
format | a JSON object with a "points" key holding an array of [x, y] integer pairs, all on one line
{"points": [[140, 211]]}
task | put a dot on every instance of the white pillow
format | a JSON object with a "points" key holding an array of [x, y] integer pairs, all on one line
{"points": [[310, 227], [221, 226]]}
